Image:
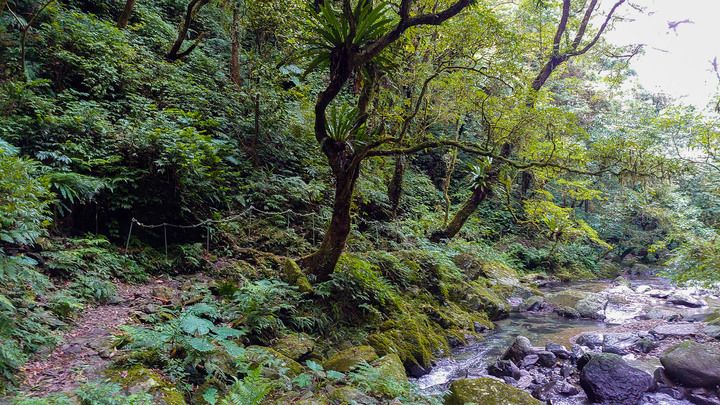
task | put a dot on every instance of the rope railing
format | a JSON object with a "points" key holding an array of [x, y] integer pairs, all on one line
{"points": [[207, 222]]}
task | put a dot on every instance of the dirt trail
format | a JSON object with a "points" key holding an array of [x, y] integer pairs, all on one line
{"points": [[87, 349]]}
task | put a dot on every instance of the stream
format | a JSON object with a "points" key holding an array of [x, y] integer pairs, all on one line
{"points": [[624, 306]]}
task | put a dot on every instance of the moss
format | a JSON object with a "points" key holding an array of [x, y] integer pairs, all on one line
{"points": [[487, 391], [347, 359], [139, 379], [478, 297], [412, 337], [350, 395], [295, 345], [295, 276], [258, 355], [391, 368]]}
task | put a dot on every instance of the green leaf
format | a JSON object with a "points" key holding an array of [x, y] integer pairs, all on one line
{"points": [[314, 366], [201, 345], [191, 324], [335, 375], [210, 396]]}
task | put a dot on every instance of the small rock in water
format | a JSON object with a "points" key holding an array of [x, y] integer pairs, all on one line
{"points": [[664, 313], [558, 350], [519, 348], [568, 312], [504, 368], [674, 329]]}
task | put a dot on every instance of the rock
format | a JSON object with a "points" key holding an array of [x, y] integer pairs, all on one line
{"points": [[295, 276], [692, 364], [655, 293], [558, 350], [685, 299], [51, 321], [534, 303], [139, 380], [621, 281], [607, 378], [619, 343], [167, 294], [347, 359], [643, 289], [418, 371], [590, 339], [258, 354], [568, 312], [519, 348], [567, 298], [577, 352], [646, 345], [390, 369], [487, 391], [702, 399], [712, 330], [504, 368], [351, 395], [478, 297], [529, 361], [295, 345], [674, 329], [592, 307], [554, 388], [664, 313], [639, 269], [546, 358], [536, 279]]}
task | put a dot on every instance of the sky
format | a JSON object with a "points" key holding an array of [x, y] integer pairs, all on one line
{"points": [[676, 61]]}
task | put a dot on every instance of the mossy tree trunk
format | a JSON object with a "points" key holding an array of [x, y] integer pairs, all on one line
{"points": [[478, 195], [192, 9]]}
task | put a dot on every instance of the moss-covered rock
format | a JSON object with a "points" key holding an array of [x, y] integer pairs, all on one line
{"points": [[478, 297], [141, 380], [258, 355], [609, 270], [567, 298], [345, 360], [295, 276], [413, 338], [351, 395], [487, 391], [391, 368], [295, 345]]}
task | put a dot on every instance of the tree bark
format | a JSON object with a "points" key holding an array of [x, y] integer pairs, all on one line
{"points": [[460, 217], [192, 9], [395, 187], [125, 16], [322, 262], [235, 59]]}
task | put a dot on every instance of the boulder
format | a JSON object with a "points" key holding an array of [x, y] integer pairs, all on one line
{"points": [[534, 303], [674, 329], [351, 395], [518, 350], [656, 293], [567, 298], [558, 350], [390, 369], [620, 343], [487, 391], [529, 361], [685, 299], [664, 314], [295, 345], [642, 289], [139, 380], [258, 354], [592, 307], [692, 364], [347, 359], [504, 368], [554, 388], [621, 281], [537, 279], [295, 276], [546, 358], [606, 378], [712, 330], [568, 312], [592, 340]]}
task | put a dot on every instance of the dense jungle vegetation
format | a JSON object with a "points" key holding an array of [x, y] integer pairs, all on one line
{"points": [[337, 172]]}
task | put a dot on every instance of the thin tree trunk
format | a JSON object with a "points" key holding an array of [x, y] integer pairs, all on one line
{"points": [[125, 16], [395, 187], [192, 10], [235, 59], [322, 262], [478, 196]]}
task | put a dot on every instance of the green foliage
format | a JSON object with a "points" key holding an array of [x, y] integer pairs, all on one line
{"points": [[371, 380], [250, 390], [91, 393]]}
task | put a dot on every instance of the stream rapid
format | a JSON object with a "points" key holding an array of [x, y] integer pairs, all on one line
{"points": [[624, 306]]}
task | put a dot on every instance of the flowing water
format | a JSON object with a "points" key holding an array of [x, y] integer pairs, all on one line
{"points": [[471, 361]]}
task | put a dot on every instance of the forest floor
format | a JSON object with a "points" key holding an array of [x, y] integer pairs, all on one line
{"points": [[87, 349]]}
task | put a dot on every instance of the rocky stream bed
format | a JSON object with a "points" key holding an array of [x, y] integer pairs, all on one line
{"points": [[643, 341]]}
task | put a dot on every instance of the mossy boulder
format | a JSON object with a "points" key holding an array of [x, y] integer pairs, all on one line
{"points": [[139, 380], [505, 281], [257, 355], [692, 364], [567, 298], [390, 368], [347, 359], [609, 270], [487, 391], [413, 338], [351, 395], [295, 276], [295, 345], [478, 297]]}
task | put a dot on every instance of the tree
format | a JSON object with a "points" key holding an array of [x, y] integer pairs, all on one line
{"points": [[560, 52], [193, 9], [125, 15], [347, 42]]}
